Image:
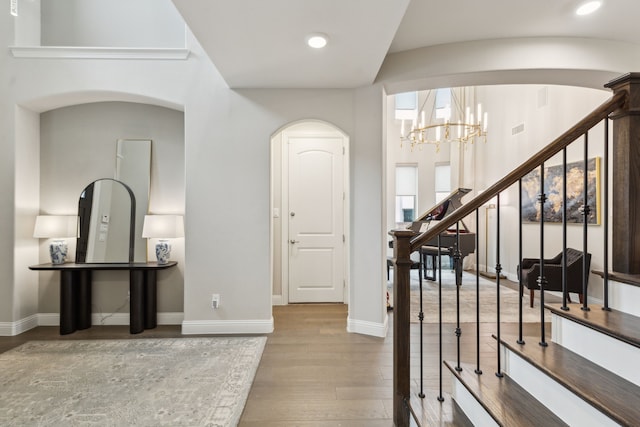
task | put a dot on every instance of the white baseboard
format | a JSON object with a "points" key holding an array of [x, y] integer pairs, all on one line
{"points": [[226, 327], [53, 319], [368, 328], [9, 329], [188, 327]]}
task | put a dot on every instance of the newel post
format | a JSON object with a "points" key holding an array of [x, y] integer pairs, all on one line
{"points": [[626, 176], [401, 324]]}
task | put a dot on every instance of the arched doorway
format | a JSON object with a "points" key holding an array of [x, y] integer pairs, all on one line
{"points": [[310, 205]]}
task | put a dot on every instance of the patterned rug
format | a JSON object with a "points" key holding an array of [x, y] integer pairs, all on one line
{"points": [[142, 382], [488, 301]]}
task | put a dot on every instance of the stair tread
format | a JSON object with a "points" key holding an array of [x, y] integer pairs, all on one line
{"points": [[506, 401], [617, 324], [429, 411], [613, 395]]}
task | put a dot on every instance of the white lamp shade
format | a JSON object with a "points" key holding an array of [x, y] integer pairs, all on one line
{"points": [[56, 226], [163, 226]]}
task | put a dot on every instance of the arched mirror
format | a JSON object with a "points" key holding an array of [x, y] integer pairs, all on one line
{"points": [[106, 211]]}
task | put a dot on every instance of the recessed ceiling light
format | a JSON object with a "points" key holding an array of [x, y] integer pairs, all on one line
{"points": [[588, 7], [317, 40]]}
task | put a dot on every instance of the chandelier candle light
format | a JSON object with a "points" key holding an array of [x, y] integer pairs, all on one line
{"points": [[463, 128]]}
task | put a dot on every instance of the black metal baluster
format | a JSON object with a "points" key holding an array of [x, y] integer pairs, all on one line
{"points": [[606, 216], [520, 284], [498, 271], [457, 265], [421, 319], [565, 294], [586, 210], [440, 397], [478, 370], [541, 279]]}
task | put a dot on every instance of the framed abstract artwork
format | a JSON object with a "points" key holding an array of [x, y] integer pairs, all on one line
{"points": [[553, 189]]}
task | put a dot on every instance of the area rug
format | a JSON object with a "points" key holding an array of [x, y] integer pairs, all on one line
{"points": [[509, 298], [141, 382]]}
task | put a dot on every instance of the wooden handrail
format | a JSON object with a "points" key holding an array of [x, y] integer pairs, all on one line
{"points": [[580, 128]]}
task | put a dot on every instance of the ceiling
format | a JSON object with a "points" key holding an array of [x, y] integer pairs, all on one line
{"points": [[261, 44]]}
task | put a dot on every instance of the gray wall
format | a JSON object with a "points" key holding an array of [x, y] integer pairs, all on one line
{"points": [[78, 146]]}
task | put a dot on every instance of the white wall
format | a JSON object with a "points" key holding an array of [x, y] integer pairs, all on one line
{"points": [[227, 134], [27, 30], [367, 312], [113, 23], [244, 239], [8, 177], [27, 183]]}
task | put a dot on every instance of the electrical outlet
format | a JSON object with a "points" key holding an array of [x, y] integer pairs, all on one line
{"points": [[215, 301]]}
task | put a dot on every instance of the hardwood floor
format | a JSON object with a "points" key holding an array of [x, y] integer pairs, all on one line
{"points": [[314, 373]]}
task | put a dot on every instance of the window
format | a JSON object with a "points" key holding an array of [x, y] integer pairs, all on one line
{"points": [[406, 192], [443, 180], [443, 104], [406, 105]]}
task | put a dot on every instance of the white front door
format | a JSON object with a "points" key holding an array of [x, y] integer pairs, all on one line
{"points": [[316, 219]]}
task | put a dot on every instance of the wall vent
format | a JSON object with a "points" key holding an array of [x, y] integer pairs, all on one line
{"points": [[517, 129]]}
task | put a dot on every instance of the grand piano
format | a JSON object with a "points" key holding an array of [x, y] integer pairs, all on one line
{"points": [[429, 251]]}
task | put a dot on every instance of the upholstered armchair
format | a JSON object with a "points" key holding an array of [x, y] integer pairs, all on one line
{"points": [[530, 270]]}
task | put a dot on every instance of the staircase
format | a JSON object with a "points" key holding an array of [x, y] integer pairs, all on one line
{"points": [[585, 376], [585, 373]]}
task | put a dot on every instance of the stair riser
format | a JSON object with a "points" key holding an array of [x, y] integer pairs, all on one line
{"points": [[624, 297], [612, 354], [569, 407], [470, 406]]}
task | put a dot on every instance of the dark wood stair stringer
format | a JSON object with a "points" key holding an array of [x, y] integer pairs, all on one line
{"points": [[611, 394], [507, 402]]}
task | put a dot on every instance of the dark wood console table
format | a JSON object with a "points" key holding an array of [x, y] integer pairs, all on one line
{"points": [[75, 293]]}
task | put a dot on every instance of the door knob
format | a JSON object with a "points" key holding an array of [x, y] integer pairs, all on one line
{"points": [[293, 242], [292, 214]]}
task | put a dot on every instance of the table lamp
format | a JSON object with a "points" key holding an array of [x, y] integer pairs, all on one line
{"points": [[163, 227], [57, 227]]}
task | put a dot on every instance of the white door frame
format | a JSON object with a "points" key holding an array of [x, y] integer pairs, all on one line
{"points": [[308, 128]]}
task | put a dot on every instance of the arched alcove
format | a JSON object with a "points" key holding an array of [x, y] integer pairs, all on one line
{"points": [[76, 144]]}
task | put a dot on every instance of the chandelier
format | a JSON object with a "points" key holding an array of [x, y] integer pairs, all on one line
{"points": [[446, 124]]}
